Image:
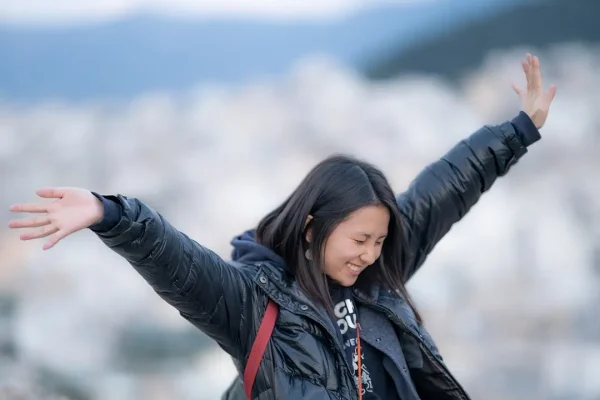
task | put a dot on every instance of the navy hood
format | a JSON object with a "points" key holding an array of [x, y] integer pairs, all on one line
{"points": [[247, 251]]}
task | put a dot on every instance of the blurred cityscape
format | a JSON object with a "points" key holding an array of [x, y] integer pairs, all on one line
{"points": [[511, 295]]}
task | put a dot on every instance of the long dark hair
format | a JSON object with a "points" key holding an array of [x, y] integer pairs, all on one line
{"points": [[332, 190]]}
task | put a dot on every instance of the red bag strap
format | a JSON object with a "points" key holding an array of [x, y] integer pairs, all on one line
{"points": [[259, 346]]}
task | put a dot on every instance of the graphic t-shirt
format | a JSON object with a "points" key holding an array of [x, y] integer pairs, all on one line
{"points": [[376, 382]]}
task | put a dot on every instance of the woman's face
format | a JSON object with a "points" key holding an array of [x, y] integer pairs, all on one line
{"points": [[355, 244]]}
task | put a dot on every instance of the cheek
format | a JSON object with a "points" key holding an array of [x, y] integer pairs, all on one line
{"points": [[378, 251], [337, 256]]}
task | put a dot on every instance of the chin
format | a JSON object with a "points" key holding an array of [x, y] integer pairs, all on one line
{"points": [[347, 282]]}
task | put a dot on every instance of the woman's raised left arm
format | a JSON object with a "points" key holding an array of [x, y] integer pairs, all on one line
{"points": [[447, 189]]}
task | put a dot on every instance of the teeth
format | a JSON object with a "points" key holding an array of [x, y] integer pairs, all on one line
{"points": [[354, 268]]}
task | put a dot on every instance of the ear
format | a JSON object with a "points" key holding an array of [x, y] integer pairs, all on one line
{"points": [[308, 231]]}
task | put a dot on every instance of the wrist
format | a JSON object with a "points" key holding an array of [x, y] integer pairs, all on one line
{"points": [[98, 211], [109, 213], [536, 117], [526, 129]]}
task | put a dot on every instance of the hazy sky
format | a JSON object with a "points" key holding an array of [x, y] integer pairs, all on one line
{"points": [[60, 11]]}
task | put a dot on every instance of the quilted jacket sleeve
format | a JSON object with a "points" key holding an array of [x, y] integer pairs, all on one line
{"points": [[205, 289], [447, 189]]}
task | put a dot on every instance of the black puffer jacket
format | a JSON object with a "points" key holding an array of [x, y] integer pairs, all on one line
{"points": [[304, 359]]}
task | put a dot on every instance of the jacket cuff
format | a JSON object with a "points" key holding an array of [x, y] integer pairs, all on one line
{"points": [[112, 214], [526, 130]]}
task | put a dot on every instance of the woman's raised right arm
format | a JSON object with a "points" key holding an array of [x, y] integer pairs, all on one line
{"points": [[205, 289]]}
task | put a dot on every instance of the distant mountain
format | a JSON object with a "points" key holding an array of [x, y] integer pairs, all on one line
{"points": [[463, 48], [141, 53]]}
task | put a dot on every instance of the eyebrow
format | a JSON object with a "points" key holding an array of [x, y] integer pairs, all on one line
{"points": [[367, 235]]}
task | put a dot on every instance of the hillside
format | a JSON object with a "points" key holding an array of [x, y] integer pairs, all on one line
{"points": [[142, 53], [537, 24]]}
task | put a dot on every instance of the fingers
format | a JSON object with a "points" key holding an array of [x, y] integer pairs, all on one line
{"points": [[39, 233], [47, 193], [51, 193], [536, 74], [533, 75], [30, 207], [525, 65], [47, 228], [529, 59], [531, 67], [34, 222], [55, 238]]}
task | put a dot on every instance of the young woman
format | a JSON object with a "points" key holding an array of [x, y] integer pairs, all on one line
{"points": [[334, 257]]}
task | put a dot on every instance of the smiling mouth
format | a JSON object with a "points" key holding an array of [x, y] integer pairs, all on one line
{"points": [[354, 268]]}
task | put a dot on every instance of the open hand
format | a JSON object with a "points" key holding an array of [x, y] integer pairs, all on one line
{"points": [[71, 210], [535, 101]]}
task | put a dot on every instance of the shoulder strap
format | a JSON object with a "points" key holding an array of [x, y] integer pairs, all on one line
{"points": [[259, 346]]}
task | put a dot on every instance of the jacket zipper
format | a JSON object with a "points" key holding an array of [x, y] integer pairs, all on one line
{"points": [[333, 338], [340, 350]]}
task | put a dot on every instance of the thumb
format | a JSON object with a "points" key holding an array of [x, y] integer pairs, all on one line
{"points": [[55, 238], [517, 89], [51, 193], [551, 93]]}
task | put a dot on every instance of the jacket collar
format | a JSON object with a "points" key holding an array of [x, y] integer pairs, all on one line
{"points": [[281, 286], [286, 292]]}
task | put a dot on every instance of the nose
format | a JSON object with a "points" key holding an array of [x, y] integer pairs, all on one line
{"points": [[370, 255]]}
